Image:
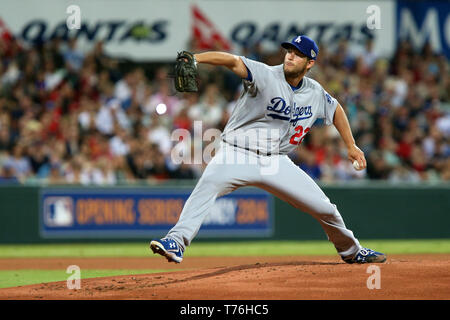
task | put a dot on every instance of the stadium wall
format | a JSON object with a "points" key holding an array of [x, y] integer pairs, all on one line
{"points": [[375, 211]]}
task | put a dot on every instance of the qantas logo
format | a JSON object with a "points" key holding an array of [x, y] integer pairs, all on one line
{"points": [[208, 37], [280, 110]]}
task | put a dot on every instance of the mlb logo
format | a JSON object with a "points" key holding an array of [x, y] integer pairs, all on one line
{"points": [[58, 212]]}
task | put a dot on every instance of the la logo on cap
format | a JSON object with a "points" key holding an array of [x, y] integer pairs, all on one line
{"points": [[299, 38]]}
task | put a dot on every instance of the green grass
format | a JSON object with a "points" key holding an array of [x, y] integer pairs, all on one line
{"points": [[14, 278], [253, 248]]}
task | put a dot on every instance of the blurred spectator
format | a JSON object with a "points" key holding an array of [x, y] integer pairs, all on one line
{"points": [[343, 57], [388, 148], [377, 168], [124, 88], [55, 176], [310, 166], [72, 56], [184, 171], [162, 102], [18, 163], [209, 109], [403, 174], [52, 76], [103, 173], [38, 156], [119, 143], [6, 142], [75, 117], [76, 172], [368, 57], [110, 116], [87, 115], [443, 124], [405, 145], [182, 120], [159, 135], [160, 169], [7, 176]]}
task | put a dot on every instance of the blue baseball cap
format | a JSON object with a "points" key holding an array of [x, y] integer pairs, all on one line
{"points": [[305, 45]]}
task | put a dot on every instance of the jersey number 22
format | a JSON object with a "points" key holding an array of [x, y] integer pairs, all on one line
{"points": [[297, 137]]}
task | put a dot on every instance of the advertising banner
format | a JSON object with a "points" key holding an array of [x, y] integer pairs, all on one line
{"points": [[147, 213], [135, 29], [425, 21], [156, 30]]}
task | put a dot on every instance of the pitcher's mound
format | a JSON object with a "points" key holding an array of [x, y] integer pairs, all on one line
{"points": [[263, 278]]}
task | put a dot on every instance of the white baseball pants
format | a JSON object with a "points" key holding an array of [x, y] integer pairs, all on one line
{"points": [[234, 167]]}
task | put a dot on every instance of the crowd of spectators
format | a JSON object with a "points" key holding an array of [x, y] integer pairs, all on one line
{"points": [[74, 117]]}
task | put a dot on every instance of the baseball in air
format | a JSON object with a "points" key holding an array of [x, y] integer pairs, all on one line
{"points": [[356, 165]]}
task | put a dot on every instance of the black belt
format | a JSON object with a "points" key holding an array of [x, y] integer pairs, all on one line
{"points": [[268, 154]]}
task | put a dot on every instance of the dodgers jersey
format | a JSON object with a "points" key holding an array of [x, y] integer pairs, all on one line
{"points": [[270, 116]]}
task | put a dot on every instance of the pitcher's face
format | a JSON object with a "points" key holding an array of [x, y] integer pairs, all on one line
{"points": [[296, 63]]}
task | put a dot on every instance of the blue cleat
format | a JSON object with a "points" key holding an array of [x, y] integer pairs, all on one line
{"points": [[168, 248], [366, 255]]}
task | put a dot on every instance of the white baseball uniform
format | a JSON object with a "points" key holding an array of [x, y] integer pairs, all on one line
{"points": [[269, 120]]}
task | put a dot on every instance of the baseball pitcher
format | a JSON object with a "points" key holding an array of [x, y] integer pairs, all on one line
{"points": [[275, 111]]}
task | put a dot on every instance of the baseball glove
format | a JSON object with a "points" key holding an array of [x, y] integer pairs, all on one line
{"points": [[186, 72]]}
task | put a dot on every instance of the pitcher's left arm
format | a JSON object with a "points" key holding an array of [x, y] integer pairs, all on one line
{"points": [[342, 125]]}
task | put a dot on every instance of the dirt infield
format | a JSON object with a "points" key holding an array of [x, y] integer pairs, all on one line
{"points": [[238, 278]]}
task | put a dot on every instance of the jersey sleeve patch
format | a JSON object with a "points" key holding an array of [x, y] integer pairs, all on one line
{"points": [[329, 105]]}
